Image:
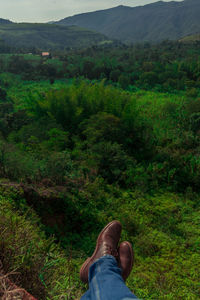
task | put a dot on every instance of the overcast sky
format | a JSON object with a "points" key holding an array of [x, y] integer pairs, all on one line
{"points": [[50, 10]]}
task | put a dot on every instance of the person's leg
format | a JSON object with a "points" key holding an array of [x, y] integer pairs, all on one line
{"points": [[105, 281], [86, 296]]}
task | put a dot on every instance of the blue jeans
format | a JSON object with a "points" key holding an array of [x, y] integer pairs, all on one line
{"points": [[106, 282]]}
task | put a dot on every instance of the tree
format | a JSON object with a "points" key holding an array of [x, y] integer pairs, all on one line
{"points": [[3, 94], [124, 81]]}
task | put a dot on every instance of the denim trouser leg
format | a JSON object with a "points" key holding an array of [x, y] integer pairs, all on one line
{"points": [[105, 281]]}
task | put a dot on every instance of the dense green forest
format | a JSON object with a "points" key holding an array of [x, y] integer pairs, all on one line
{"points": [[88, 136], [167, 67]]}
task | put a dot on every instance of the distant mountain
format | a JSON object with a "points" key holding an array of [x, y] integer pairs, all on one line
{"points": [[153, 22], [4, 21], [47, 36]]}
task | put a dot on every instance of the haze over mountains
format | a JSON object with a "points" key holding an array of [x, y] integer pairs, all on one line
{"points": [[153, 22]]}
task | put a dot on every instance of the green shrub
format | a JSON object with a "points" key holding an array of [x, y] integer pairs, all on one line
{"points": [[40, 266]]}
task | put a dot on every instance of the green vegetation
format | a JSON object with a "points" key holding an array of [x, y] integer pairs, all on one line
{"points": [[77, 151], [167, 67], [47, 36], [191, 38], [39, 265]]}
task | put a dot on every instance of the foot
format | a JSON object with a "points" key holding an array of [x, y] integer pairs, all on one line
{"points": [[126, 257], [107, 243]]}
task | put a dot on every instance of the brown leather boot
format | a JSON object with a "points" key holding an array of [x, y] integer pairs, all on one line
{"points": [[107, 243], [126, 257]]}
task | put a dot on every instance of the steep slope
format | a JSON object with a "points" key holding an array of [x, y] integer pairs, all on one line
{"points": [[152, 22], [46, 36]]}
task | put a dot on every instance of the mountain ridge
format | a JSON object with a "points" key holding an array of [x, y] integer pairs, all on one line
{"points": [[152, 22], [48, 36], [5, 21]]}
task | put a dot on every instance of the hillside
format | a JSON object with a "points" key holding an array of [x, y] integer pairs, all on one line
{"points": [[134, 157], [89, 136], [153, 22], [190, 38], [4, 21], [46, 36]]}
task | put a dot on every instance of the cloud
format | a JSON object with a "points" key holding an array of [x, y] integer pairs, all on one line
{"points": [[48, 10]]}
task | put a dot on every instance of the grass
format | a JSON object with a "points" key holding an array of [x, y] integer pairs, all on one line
{"points": [[39, 265], [163, 229], [48, 231]]}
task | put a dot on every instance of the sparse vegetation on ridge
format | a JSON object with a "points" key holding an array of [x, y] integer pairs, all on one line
{"points": [[48, 36]]}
